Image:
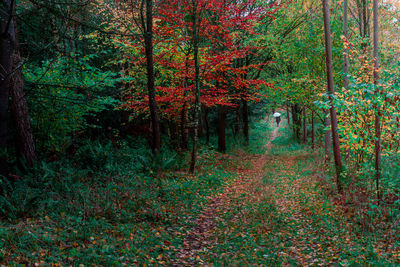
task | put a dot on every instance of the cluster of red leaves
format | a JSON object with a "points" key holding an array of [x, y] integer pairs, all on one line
{"points": [[223, 81]]}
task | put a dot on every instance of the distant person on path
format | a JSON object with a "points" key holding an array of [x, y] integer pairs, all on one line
{"points": [[278, 118]]}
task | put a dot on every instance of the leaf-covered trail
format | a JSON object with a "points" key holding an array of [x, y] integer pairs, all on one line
{"points": [[277, 213], [202, 238]]}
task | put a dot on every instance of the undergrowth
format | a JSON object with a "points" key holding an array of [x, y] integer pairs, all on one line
{"points": [[105, 206]]}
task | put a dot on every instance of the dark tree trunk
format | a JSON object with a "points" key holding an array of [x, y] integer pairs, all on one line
{"points": [[304, 125], [207, 125], [7, 42], [288, 114], [296, 120], [331, 91], [19, 109], [377, 92], [312, 130], [184, 131], [221, 128], [328, 137], [148, 39], [237, 121], [197, 84], [245, 115]]}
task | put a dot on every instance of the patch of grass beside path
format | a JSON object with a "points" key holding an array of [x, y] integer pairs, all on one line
{"points": [[116, 216]]}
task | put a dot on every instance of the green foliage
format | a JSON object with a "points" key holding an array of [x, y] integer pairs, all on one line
{"points": [[89, 206], [63, 93]]}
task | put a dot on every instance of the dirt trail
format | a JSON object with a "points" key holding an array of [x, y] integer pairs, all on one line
{"points": [[202, 238]]}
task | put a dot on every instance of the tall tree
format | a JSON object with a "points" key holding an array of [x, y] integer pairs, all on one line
{"points": [[197, 107], [19, 110], [7, 42], [377, 93], [331, 92], [328, 136], [148, 40]]}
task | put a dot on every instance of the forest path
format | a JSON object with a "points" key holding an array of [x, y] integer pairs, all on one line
{"points": [[202, 237], [276, 213]]}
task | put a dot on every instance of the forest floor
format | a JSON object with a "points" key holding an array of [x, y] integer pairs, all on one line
{"points": [[269, 204], [277, 213]]}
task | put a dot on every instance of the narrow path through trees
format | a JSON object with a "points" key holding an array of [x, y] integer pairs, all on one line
{"points": [[277, 212]]}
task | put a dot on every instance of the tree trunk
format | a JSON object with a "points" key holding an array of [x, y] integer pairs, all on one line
{"points": [[331, 91], [221, 128], [288, 114], [148, 38], [184, 131], [312, 130], [296, 121], [7, 42], [377, 92], [245, 115], [346, 50], [237, 121], [197, 85], [207, 125], [304, 125], [19, 109], [328, 137]]}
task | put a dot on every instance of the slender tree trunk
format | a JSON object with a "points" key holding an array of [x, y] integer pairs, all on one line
{"points": [[148, 38], [19, 109], [288, 114], [331, 91], [346, 50], [304, 125], [197, 85], [184, 131], [377, 93], [7, 42], [237, 122], [328, 137], [312, 130], [296, 121], [245, 115], [221, 128], [207, 125]]}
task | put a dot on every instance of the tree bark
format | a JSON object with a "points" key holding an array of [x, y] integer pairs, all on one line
{"points": [[328, 137], [245, 115], [148, 38], [207, 125], [377, 92], [197, 85], [221, 129], [184, 131], [19, 109], [296, 121], [288, 114], [312, 130], [7, 42], [331, 91], [237, 121]]}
